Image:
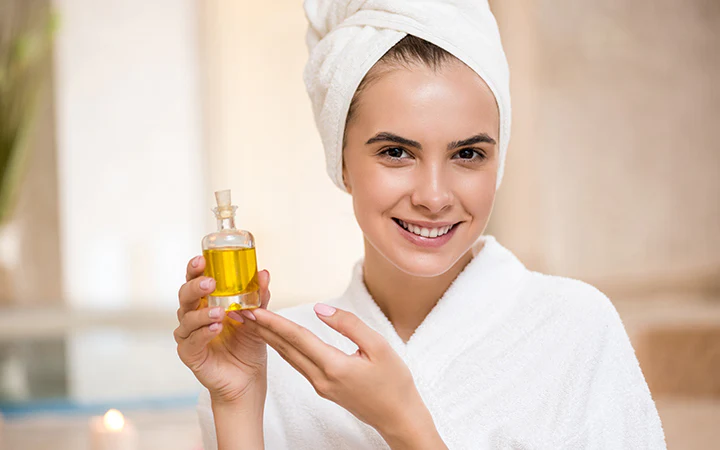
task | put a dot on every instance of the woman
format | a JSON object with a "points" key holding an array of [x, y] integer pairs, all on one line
{"points": [[443, 338]]}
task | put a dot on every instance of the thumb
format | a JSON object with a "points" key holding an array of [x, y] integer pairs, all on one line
{"points": [[263, 278], [349, 325]]}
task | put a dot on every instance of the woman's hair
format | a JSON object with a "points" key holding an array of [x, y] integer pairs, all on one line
{"points": [[410, 50]]}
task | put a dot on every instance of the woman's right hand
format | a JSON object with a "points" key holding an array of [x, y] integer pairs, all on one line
{"points": [[225, 357]]}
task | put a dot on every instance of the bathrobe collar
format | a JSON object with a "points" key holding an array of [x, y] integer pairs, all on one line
{"points": [[477, 297]]}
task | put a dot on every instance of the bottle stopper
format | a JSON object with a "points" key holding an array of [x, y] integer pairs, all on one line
{"points": [[224, 208]]}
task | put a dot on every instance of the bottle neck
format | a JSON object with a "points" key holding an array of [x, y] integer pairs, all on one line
{"points": [[226, 223]]}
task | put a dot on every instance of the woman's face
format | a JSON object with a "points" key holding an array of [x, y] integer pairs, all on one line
{"points": [[421, 164]]}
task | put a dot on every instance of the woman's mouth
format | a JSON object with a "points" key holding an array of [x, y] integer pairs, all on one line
{"points": [[426, 235]]}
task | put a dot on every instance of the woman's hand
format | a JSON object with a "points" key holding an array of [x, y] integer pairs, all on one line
{"points": [[374, 383], [226, 357]]}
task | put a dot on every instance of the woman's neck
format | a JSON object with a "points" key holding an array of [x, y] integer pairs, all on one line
{"points": [[405, 299]]}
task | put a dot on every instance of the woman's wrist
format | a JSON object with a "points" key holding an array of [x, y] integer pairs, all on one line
{"points": [[253, 400], [239, 421], [256, 387]]}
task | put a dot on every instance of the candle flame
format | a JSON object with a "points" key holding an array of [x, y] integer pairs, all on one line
{"points": [[114, 420]]}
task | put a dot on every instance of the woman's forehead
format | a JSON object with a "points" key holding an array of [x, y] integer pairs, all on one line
{"points": [[451, 101]]}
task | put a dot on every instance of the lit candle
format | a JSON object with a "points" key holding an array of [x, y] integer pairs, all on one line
{"points": [[112, 432]]}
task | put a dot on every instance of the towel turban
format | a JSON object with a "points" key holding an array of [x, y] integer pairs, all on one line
{"points": [[345, 38]]}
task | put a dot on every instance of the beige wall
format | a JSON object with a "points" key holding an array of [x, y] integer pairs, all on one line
{"points": [[613, 175]]}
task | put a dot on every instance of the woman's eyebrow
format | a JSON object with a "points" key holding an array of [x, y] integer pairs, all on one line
{"points": [[390, 137], [386, 136], [477, 139]]}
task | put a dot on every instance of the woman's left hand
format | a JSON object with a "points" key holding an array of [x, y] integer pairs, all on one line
{"points": [[374, 383]]}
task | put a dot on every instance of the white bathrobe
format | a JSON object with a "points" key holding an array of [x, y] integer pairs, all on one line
{"points": [[507, 359]]}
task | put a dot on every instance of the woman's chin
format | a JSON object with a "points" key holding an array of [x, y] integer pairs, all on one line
{"points": [[423, 265]]}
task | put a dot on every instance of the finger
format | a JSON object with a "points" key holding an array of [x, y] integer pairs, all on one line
{"points": [[292, 355], [263, 287], [195, 268], [236, 316], [320, 353], [194, 320], [193, 350], [191, 292], [349, 325]]}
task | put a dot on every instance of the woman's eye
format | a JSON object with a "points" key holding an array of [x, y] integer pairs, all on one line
{"points": [[470, 154], [394, 152], [466, 154]]}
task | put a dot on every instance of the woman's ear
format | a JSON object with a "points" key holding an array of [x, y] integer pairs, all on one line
{"points": [[348, 188]]}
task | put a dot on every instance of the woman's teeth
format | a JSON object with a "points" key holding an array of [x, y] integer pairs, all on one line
{"points": [[425, 232]]}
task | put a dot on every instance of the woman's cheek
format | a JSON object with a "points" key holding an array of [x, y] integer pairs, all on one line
{"points": [[386, 186], [477, 194]]}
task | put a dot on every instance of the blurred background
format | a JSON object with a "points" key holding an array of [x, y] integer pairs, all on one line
{"points": [[119, 118]]}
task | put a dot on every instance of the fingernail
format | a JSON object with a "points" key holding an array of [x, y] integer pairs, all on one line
{"points": [[215, 313], [248, 314], [324, 310], [195, 261], [205, 284], [214, 326], [235, 316]]}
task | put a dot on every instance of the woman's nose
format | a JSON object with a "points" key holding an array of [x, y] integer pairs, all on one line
{"points": [[432, 188]]}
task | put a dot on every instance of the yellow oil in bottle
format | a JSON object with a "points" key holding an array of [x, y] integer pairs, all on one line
{"points": [[234, 271]]}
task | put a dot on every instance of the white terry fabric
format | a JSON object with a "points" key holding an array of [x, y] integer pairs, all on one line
{"points": [[507, 359], [346, 38]]}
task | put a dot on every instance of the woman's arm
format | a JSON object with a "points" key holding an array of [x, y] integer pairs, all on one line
{"points": [[239, 423]]}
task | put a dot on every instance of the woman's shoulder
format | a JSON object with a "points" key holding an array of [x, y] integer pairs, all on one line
{"points": [[561, 285], [558, 293], [573, 297]]}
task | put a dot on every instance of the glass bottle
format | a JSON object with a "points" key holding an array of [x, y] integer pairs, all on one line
{"points": [[230, 259]]}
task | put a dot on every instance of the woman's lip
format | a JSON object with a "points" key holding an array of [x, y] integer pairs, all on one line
{"points": [[428, 225], [427, 242]]}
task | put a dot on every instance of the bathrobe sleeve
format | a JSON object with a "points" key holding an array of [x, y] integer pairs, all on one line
{"points": [[207, 423], [609, 404]]}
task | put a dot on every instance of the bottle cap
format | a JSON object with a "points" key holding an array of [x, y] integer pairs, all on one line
{"points": [[224, 208]]}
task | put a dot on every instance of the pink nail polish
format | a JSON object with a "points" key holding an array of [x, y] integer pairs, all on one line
{"points": [[235, 316], [324, 310], [248, 314]]}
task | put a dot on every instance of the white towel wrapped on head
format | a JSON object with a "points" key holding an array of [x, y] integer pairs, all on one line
{"points": [[346, 38]]}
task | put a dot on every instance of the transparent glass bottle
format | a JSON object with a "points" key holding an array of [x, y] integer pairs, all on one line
{"points": [[230, 259]]}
